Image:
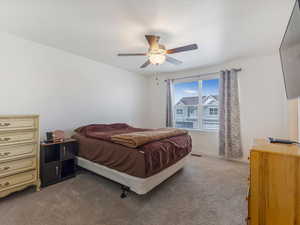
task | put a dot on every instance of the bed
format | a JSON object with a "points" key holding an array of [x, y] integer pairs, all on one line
{"points": [[138, 166]]}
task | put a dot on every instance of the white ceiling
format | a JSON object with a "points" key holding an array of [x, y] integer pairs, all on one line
{"points": [[223, 29]]}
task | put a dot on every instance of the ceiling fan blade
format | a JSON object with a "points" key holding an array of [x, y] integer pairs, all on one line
{"points": [[145, 64], [152, 40], [173, 60], [182, 49], [132, 54]]}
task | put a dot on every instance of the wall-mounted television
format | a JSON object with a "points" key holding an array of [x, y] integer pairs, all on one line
{"points": [[290, 54]]}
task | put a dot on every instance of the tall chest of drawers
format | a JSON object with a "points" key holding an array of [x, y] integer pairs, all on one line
{"points": [[19, 153]]}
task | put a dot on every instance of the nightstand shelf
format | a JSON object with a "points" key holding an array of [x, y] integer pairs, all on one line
{"points": [[58, 161], [68, 168]]}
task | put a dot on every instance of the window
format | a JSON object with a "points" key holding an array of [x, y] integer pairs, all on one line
{"points": [[179, 111], [213, 111], [197, 104]]}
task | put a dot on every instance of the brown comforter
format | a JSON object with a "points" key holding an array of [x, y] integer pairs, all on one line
{"points": [[136, 139], [96, 145]]}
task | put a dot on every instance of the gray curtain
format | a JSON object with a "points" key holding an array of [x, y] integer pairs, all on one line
{"points": [[230, 144], [169, 109]]}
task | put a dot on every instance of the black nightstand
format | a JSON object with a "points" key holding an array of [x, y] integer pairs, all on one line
{"points": [[58, 161]]}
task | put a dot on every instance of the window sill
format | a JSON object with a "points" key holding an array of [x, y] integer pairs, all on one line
{"points": [[201, 131]]}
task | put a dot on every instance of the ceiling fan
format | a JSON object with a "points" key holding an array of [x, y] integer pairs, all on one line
{"points": [[157, 53]]}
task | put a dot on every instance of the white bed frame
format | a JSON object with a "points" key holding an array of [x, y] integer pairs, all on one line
{"points": [[138, 185]]}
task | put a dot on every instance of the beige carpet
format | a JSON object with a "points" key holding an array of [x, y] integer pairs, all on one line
{"points": [[207, 191]]}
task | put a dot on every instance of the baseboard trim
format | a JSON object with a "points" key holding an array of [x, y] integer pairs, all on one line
{"points": [[221, 158]]}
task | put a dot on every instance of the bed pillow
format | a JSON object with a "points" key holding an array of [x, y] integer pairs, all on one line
{"points": [[103, 126]]}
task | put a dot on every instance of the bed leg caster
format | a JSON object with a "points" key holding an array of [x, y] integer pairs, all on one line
{"points": [[125, 191]]}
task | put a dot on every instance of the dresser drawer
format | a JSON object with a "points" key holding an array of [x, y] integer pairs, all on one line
{"points": [[17, 166], [16, 180], [17, 151], [17, 137], [17, 123]]}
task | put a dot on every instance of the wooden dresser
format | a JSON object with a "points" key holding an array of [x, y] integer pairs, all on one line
{"points": [[19, 153], [274, 196]]}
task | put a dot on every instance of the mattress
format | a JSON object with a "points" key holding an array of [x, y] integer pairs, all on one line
{"points": [[142, 162]]}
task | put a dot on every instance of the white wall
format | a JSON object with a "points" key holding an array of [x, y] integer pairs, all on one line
{"points": [[66, 90], [293, 122], [263, 104]]}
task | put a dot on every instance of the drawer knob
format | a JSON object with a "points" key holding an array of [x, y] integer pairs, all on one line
{"points": [[6, 168], [5, 139], [5, 184], [4, 124], [4, 154]]}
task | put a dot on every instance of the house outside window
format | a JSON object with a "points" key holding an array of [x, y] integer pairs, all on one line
{"points": [[213, 111], [196, 104], [179, 111]]}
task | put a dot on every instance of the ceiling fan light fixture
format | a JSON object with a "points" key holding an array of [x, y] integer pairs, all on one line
{"points": [[157, 53], [157, 58]]}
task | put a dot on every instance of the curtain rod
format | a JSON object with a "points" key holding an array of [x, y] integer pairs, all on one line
{"points": [[200, 75]]}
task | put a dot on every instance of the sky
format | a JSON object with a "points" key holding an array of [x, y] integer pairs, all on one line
{"points": [[190, 89]]}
